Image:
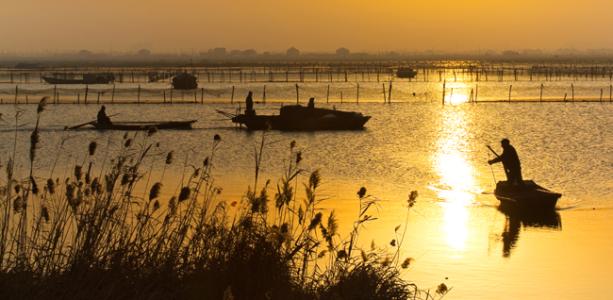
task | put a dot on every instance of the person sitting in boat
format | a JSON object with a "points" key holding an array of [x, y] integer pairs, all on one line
{"points": [[510, 163], [249, 111], [312, 103], [102, 118]]}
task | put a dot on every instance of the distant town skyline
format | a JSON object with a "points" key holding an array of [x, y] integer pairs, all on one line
{"points": [[33, 26]]}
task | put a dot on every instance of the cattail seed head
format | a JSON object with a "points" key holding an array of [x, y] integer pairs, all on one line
{"points": [[155, 191], [362, 192], [50, 186], [19, 204], [169, 157], [78, 172], [92, 148], [34, 139], [41, 105], [34, 185], [184, 194]]}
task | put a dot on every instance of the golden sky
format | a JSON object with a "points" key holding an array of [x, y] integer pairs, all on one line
{"points": [[310, 25]]}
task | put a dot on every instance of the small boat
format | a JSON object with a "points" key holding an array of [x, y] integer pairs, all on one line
{"points": [[530, 196], [184, 81], [406, 73], [92, 78], [134, 125], [300, 118]]}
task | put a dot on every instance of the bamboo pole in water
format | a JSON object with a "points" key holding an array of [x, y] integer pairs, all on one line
{"points": [[541, 95], [264, 95], [357, 97], [297, 95], [389, 94], [328, 94], [601, 91], [384, 94], [86, 93], [572, 92], [444, 87], [232, 97], [510, 90], [113, 94]]}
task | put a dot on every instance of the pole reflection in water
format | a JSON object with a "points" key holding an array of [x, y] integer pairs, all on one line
{"points": [[457, 186]]}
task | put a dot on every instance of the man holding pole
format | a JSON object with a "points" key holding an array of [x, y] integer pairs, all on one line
{"points": [[510, 162]]}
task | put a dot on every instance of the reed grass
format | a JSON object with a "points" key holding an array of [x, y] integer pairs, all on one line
{"points": [[90, 235]]}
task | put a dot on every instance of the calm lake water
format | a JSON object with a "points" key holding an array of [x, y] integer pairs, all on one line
{"points": [[455, 230]]}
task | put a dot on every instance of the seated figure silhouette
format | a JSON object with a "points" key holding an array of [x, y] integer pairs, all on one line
{"points": [[102, 118], [510, 162], [312, 103]]}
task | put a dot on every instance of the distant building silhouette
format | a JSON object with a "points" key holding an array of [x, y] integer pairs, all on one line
{"points": [[343, 52], [219, 51], [143, 52], [293, 52]]}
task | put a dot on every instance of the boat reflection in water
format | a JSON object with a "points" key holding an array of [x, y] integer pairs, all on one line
{"points": [[516, 219]]}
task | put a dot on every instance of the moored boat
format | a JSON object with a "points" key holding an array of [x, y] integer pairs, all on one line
{"points": [[406, 73], [92, 78], [529, 196], [300, 118], [175, 125], [184, 81]]}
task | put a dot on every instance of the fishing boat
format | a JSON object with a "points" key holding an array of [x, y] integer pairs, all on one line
{"points": [[406, 73], [91, 78], [529, 196], [184, 81], [135, 125], [300, 118]]}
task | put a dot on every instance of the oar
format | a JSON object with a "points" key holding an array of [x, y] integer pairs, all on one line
{"points": [[492, 169], [87, 123]]}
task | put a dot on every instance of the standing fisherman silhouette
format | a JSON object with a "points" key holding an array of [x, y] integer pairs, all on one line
{"points": [[249, 111], [510, 162], [102, 118]]}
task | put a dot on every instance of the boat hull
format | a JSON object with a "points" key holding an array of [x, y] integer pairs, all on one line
{"points": [[132, 126], [97, 80], [529, 197], [298, 118]]}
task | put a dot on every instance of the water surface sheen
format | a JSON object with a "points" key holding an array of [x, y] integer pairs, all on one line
{"points": [[454, 230]]}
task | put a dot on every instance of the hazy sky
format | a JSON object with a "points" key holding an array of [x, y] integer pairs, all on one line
{"points": [[315, 25]]}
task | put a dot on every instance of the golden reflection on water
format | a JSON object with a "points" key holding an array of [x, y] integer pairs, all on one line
{"points": [[457, 185], [457, 93]]}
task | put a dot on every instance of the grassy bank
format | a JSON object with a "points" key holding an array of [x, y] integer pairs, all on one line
{"points": [[92, 235]]}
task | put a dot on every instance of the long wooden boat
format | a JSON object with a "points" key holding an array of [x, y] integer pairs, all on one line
{"points": [[300, 118], [527, 197], [102, 78], [133, 125]]}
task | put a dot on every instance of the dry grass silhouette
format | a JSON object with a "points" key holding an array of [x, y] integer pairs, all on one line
{"points": [[91, 235]]}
